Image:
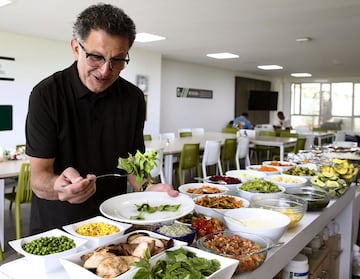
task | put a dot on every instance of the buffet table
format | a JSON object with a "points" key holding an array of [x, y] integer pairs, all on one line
{"points": [[343, 210]]}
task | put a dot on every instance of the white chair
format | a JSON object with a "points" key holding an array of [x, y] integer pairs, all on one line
{"points": [[198, 131], [158, 169], [167, 136], [242, 152], [211, 156]]}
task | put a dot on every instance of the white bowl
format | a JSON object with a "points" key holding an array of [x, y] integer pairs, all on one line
{"points": [[98, 240], [259, 168], [217, 188], [287, 181], [284, 165], [217, 212], [302, 170], [248, 195], [246, 175], [73, 264], [231, 186], [259, 221], [46, 263]]}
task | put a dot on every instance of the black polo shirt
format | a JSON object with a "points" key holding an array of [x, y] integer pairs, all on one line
{"points": [[84, 130]]}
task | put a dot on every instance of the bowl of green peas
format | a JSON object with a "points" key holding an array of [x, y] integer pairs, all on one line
{"points": [[44, 250]]}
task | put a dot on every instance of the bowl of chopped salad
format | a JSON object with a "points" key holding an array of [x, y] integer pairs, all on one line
{"points": [[249, 249], [259, 187]]}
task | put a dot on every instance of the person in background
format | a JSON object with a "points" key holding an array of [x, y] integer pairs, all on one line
{"points": [[282, 122], [242, 122], [81, 120]]}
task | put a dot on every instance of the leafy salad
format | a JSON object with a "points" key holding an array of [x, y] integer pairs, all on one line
{"points": [[140, 165], [179, 263]]}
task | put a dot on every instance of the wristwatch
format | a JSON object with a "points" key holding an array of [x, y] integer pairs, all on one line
{"points": [[144, 186]]}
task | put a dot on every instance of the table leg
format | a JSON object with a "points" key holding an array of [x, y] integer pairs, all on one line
{"points": [[2, 207], [168, 168], [281, 152]]}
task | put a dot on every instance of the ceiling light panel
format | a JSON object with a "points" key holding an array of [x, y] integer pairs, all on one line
{"points": [[222, 55], [270, 67], [5, 2], [301, 75], [146, 38]]}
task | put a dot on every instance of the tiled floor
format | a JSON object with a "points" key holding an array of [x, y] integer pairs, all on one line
{"points": [[10, 234]]}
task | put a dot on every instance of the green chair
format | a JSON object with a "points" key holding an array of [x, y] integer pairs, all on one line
{"points": [[147, 137], [1, 254], [260, 149], [228, 153], [22, 195], [189, 160], [229, 130], [185, 134], [299, 145]]}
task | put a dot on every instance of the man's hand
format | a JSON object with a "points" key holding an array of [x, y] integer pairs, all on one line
{"points": [[73, 188], [163, 188]]}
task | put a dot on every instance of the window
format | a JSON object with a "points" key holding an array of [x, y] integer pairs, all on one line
{"points": [[313, 104]]}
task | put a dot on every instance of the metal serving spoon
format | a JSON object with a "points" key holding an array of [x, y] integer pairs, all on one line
{"points": [[111, 174]]}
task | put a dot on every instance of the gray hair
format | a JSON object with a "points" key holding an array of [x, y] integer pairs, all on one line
{"points": [[105, 17]]}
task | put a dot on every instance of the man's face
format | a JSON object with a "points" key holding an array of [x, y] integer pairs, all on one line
{"points": [[100, 44]]}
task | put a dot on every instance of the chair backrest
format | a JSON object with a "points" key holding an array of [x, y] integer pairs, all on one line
{"points": [[267, 133], [185, 134], [189, 157], [228, 152], [300, 145], [167, 136], [198, 131], [242, 151], [23, 190], [211, 156], [229, 130], [158, 169], [288, 134], [147, 137]]}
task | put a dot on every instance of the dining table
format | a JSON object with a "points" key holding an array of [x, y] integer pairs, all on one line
{"points": [[8, 169], [172, 149]]}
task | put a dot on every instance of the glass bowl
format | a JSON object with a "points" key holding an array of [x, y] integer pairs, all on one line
{"points": [[291, 205], [316, 198], [249, 249]]}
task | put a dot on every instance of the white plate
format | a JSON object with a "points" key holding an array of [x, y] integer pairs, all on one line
{"points": [[246, 175], [98, 240], [122, 207]]}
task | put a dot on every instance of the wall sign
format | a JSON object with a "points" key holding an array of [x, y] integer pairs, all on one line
{"points": [[193, 93], [4, 75]]}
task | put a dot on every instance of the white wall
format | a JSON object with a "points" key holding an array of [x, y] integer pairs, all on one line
{"points": [[211, 114]]}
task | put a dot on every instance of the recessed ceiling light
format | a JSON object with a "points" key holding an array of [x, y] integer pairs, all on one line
{"points": [[270, 67], [301, 75], [222, 55], [146, 37], [5, 2], [303, 39]]}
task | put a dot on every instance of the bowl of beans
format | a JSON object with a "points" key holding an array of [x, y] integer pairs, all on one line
{"points": [[44, 250], [249, 249], [97, 230], [177, 231]]}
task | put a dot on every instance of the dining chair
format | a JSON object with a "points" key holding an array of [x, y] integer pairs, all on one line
{"points": [[242, 152], [185, 134], [299, 145], [189, 160], [198, 131], [184, 131], [147, 137], [228, 152], [260, 149], [211, 157], [22, 195], [158, 170], [1, 254]]}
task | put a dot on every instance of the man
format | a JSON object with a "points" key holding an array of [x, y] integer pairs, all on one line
{"points": [[81, 120], [282, 122], [242, 122]]}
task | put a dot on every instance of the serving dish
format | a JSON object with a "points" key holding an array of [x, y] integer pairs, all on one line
{"points": [[265, 169], [198, 189], [245, 175], [97, 240], [216, 205], [47, 263], [231, 245], [187, 233], [74, 264], [293, 206], [259, 221], [317, 199], [259, 187], [284, 165], [287, 181], [230, 182], [123, 208]]}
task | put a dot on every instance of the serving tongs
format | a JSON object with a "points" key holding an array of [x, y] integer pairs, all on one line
{"points": [[111, 174]]}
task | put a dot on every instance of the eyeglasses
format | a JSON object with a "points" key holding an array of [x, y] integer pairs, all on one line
{"points": [[96, 61]]}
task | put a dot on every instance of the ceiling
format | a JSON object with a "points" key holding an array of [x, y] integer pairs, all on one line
{"points": [[259, 31]]}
